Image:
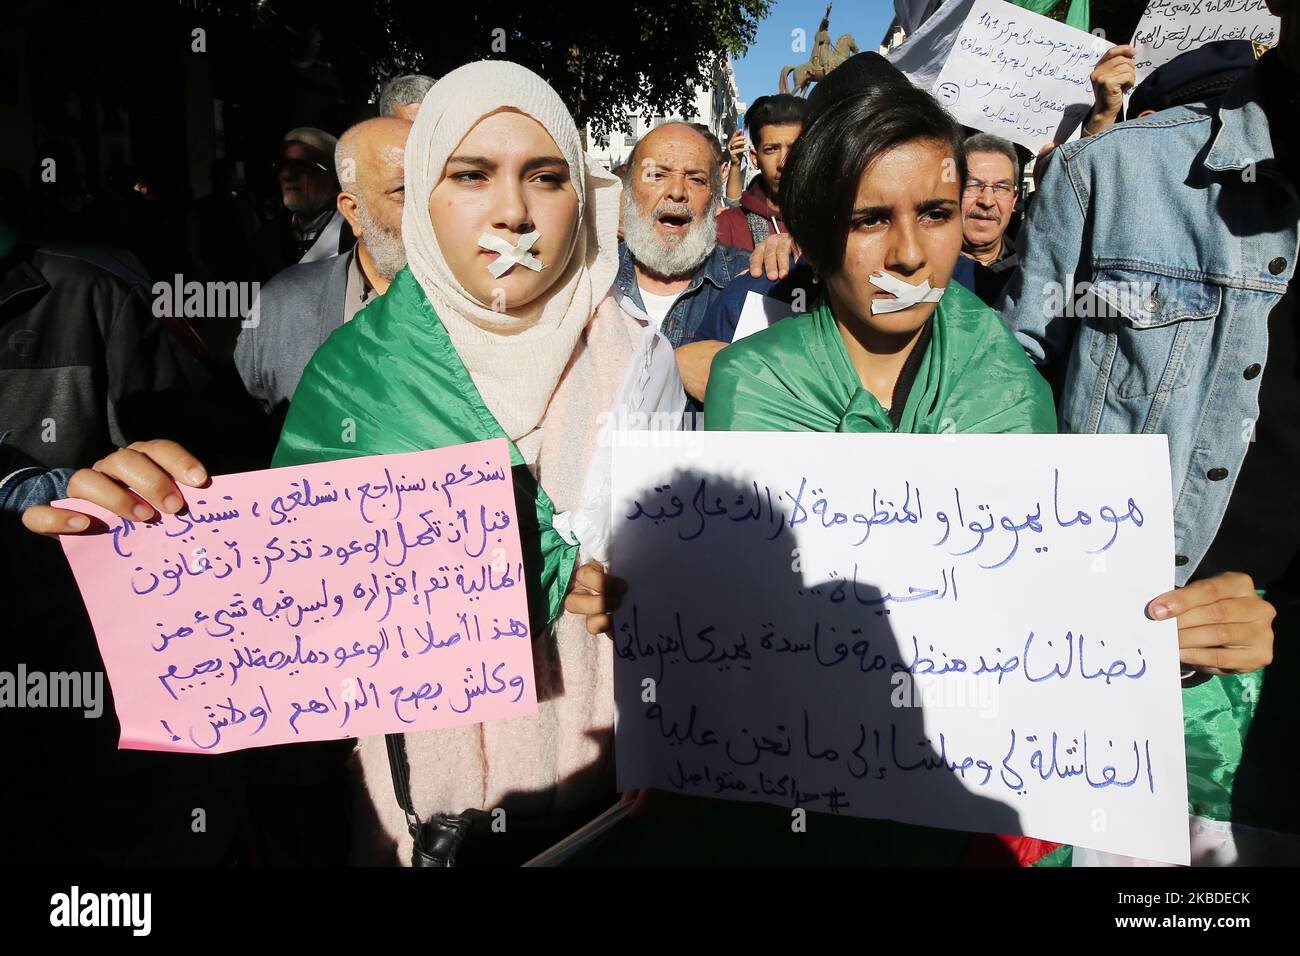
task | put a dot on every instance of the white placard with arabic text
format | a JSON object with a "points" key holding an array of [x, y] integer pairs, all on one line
{"points": [[1019, 75], [937, 629], [1171, 27]]}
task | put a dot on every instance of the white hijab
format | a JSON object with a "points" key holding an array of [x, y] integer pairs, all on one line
{"points": [[516, 363]]}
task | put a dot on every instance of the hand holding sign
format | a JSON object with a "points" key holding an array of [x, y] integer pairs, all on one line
{"points": [[595, 593], [1224, 626], [125, 483], [1112, 78], [941, 630]]}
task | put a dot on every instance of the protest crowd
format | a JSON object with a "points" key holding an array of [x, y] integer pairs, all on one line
{"points": [[933, 279]]}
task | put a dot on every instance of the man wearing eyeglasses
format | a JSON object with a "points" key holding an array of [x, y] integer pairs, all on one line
{"points": [[988, 200], [308, 185]]}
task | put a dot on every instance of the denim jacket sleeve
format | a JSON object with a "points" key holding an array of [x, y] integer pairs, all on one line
{"points": [[1052, 260], [24, 483]]}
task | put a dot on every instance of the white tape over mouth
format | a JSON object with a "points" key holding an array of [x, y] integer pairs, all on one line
{"points": [[511, 256], [907, 294]]}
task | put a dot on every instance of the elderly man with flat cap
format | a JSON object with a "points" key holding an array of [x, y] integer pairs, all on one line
{"points": [[300, 307], [313, 229]]}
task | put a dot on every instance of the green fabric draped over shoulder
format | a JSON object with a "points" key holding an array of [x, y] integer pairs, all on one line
{"points": [[974, 377], [797, 376], [1078, 15], [391, 381]]}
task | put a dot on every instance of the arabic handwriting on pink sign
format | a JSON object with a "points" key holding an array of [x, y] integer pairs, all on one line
{"points": [[342, 599]]}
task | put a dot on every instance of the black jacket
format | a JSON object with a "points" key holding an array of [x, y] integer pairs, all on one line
{"points": [[86, 367]]}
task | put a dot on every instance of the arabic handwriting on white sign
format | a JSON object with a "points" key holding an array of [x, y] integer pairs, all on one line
{"points": [[1171, 27], [1018, 74], [872, 627]]}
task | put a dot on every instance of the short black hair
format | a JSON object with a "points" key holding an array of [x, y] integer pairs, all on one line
{"points": [[779, 109], [820, 181]]}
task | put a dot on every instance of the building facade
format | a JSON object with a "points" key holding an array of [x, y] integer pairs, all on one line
{"points": [[717, 106]]}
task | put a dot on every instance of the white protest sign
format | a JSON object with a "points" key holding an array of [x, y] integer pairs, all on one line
{"points": [[1171, 27], [758, 313], [923, 54], [935, 629], [1019, 75]]}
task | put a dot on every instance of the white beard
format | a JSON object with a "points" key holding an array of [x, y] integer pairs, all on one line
{"points": [[385, 247], [673, 257]]}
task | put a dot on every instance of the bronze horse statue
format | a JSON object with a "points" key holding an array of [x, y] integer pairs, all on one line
{"points": [[805, 74]]}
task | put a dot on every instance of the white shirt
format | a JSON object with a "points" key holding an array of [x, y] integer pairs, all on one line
{"points": [[657, 306], [359, 292], [326, 245]]}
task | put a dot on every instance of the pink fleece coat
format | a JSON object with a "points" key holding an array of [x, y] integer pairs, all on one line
{"points": [[561, 758]]}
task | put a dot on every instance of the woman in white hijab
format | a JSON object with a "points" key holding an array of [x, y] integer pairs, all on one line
{"points": [[511, 239]]}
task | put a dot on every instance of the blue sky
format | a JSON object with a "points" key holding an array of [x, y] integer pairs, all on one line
{"points": [[757, 72]]}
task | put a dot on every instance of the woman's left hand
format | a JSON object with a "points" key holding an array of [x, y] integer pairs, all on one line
{"points": [[1224, 627], [596, 593]]}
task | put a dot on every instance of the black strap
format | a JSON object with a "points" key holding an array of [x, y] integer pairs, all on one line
{"points": [[401, 771], [437, 841]]}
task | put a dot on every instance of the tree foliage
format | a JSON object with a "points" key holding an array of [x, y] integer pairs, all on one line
{"points": [[645, 57]]}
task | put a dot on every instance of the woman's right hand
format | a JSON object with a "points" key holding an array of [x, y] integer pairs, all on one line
{"points": [[136, 482]]}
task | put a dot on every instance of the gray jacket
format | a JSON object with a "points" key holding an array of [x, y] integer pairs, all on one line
{"points": [[295, 313]]}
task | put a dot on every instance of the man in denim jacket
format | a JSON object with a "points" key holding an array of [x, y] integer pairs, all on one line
{"points": [[671, 265], [1156, 292]]}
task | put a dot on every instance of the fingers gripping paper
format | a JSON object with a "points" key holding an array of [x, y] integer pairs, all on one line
{"points": [[941, 630], [366, 596]]}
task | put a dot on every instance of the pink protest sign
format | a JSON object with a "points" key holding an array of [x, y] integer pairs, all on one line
{"points": [[365, 596]]}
